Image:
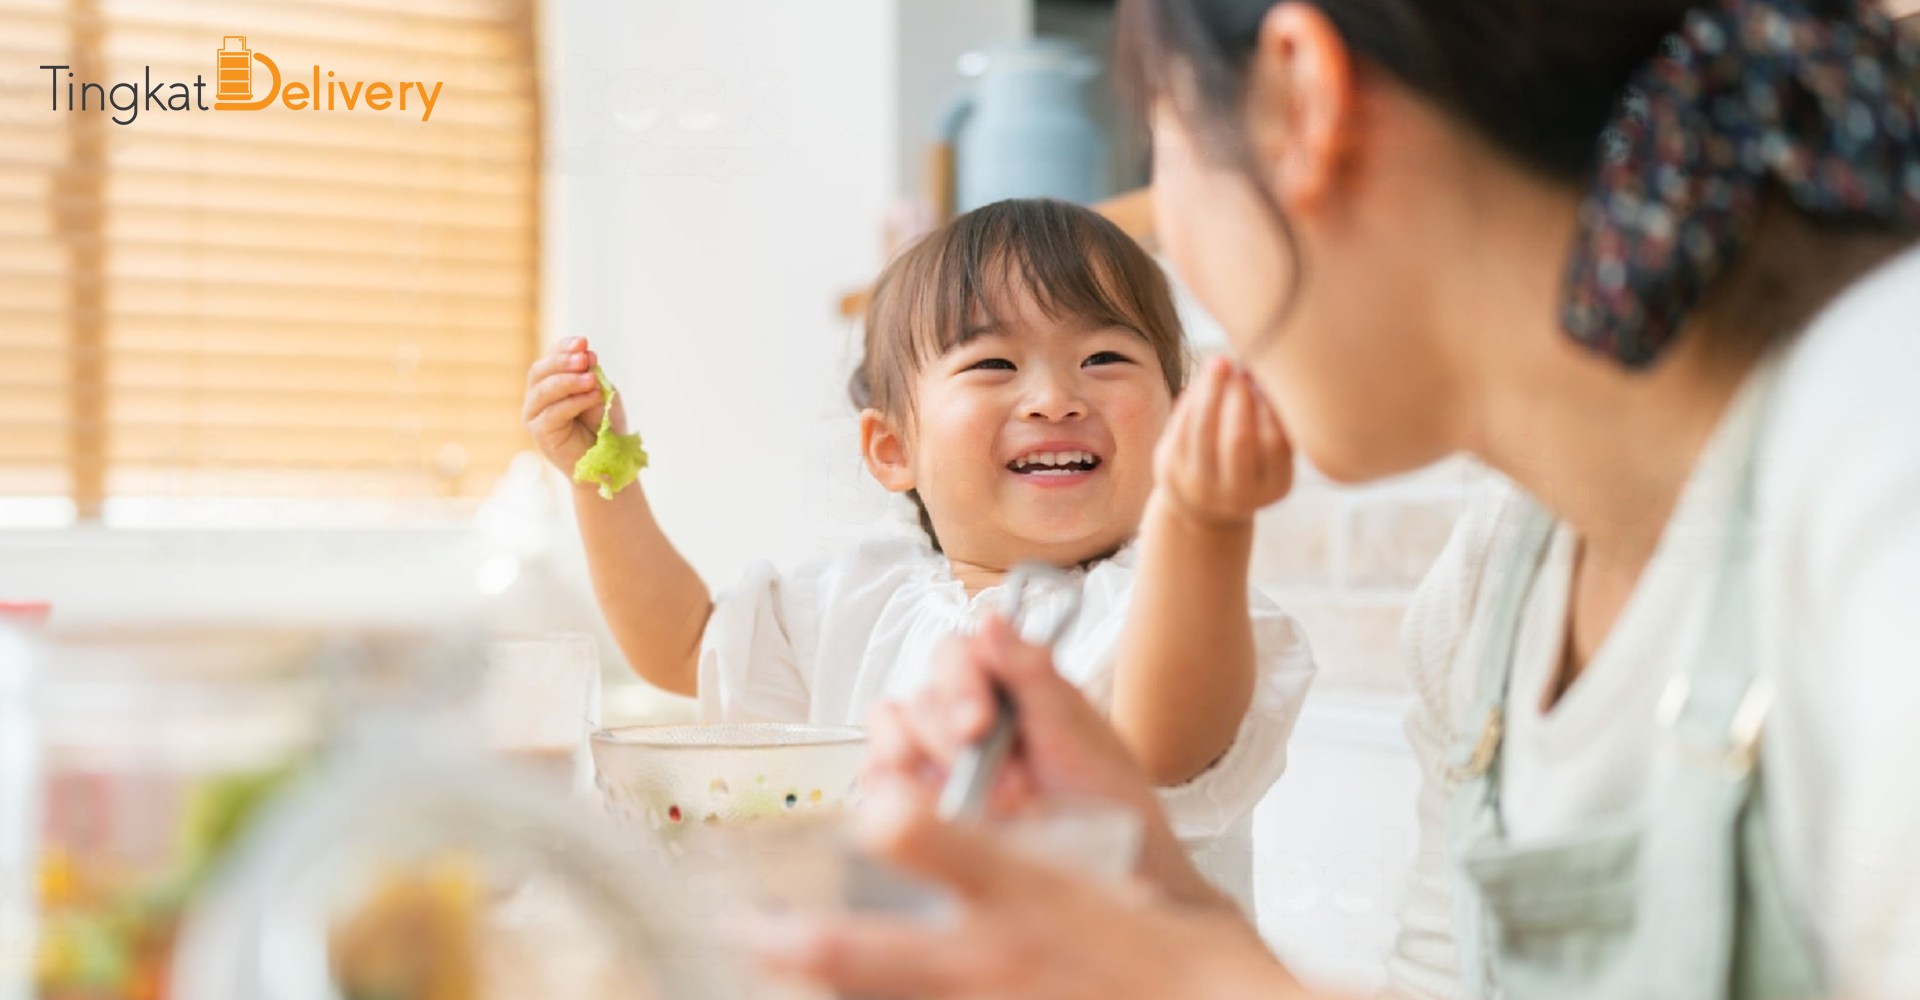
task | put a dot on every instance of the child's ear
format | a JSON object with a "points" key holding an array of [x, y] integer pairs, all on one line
{"points": [[885, 449]]}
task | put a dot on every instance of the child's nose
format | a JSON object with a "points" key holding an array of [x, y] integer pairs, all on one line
{"points": [[1055, 399]]}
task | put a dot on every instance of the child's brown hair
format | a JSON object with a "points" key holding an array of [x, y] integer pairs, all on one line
{"points": [[1073, 261]]}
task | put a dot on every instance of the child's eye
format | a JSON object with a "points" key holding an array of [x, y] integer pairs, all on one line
{"points": [[1107, 358], [991, 365]]}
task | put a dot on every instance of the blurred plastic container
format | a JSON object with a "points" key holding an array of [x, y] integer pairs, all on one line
{"points": [[813, 866], [538, 699], [19, 796], [152, 747], [413, 865]]}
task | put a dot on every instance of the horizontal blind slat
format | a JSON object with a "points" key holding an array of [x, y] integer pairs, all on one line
{"points": [[142, 226], [299, 200], [289, 339]]}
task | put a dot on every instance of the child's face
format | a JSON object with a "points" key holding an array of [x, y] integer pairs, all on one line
{"points": [[1034, 440]]}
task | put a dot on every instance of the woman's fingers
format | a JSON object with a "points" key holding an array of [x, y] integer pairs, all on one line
{"points": [[861, 956], [894, 751], [967, 693], [964, 858], [999, 653]]}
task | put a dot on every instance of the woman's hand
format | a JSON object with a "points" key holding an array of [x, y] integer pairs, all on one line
{"points": [[1064, 747], [1224, 454], [1021, 931], [562, 409]]}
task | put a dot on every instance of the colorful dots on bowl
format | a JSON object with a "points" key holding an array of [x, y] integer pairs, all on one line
{"points": [[792, 800], [673, 814], [815, 797]]}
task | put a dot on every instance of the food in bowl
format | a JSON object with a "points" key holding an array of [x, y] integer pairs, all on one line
{"points": [[667, 778]]}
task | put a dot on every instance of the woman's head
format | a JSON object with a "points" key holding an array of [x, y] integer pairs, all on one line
{"points": [[1352, 185], [1020, 363]]}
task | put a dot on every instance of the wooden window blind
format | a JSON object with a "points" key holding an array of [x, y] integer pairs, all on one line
{"points": [[272, 303]]}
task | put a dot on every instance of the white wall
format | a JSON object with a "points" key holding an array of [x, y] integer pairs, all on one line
{"points": [[719, 173], [1334, 841]]}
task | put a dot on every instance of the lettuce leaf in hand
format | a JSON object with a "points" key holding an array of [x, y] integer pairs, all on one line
{"points": [[615, 460]]}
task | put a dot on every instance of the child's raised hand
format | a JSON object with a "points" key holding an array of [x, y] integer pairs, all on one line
{"points": [[562, 409], [1224, 454]]}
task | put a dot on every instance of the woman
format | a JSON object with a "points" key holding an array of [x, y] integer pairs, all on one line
{"points": [[1652, 261]]}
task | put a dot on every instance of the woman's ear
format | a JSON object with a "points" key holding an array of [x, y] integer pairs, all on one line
{"points": [[1301, 104], [885, 449]]}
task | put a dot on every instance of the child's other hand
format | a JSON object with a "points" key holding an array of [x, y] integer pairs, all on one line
{"points": [[562, 410], [1224, 454]]}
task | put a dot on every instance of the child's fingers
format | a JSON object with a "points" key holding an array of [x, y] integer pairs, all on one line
{"points": [[1240, 460], [564, 361], [1274, 445], [1204, 431], [557, 416], [555, 388]]}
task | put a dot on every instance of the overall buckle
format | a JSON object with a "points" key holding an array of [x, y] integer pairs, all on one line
{"points": [[1736, 758]]}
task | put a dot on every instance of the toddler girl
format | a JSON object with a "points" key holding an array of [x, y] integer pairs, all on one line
{"points": [[1021, 365]]}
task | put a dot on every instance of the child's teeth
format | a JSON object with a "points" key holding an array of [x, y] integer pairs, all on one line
{"points": [[1054, 462]]}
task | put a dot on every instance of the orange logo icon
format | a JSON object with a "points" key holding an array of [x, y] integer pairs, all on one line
{"points": [[234, 84]]}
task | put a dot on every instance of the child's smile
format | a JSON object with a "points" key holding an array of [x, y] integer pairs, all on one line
{"points": [[1056, 464]]}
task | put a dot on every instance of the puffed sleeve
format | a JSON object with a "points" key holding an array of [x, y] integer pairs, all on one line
{"points": [[756, 653]]}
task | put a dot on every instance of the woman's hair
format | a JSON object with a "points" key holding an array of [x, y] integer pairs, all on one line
{"points": [[1599, 94], [1539, 79], [1071, 260]]}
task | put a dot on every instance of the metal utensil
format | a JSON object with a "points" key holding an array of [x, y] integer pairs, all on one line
{"points": [[965, 793]]}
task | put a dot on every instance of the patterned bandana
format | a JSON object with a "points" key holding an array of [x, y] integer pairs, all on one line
{"points": [[1818, 97]]}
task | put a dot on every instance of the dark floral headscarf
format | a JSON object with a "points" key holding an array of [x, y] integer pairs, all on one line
{"points": [[1820, 100]]}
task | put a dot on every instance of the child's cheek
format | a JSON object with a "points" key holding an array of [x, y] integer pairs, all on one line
{"points": [[1138, 415]]}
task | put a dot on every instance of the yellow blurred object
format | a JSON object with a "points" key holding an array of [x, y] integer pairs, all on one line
{"points": [[59, 880], [415, 938], [56, 959]]}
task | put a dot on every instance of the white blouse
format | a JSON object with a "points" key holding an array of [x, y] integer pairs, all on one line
{"points": [[1838, 591], [824, 643]]}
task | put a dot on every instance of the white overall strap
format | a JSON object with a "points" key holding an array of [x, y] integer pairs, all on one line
{"points": [[1473, 771], [1691, 871]]}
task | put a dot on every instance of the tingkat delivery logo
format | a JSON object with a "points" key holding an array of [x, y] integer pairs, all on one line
{"points": [[245, 80]]}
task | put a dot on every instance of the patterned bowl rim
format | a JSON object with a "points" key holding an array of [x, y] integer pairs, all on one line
{"points": [[674, 736]]}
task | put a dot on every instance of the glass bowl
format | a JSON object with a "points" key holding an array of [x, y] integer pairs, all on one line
{"points": [[671, 778]]}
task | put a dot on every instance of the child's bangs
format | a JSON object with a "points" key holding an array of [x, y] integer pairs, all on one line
{"points": [[1049, 252], [963, 280]]}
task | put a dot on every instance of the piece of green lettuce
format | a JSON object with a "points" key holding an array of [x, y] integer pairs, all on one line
{"points": [[615, 460]]}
